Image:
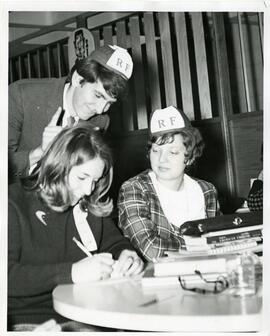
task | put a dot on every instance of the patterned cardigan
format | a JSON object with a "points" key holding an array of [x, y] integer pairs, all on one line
{"points": [[142, 219]]}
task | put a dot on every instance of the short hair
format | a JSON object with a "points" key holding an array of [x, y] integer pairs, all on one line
{"points": [[192, 140], [91, 71], [72, 147]]}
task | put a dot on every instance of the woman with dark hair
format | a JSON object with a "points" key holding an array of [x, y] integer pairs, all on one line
{"points": [[56, 209], [154, 204]]}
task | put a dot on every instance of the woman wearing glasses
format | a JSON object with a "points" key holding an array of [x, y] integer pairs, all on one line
{"points": [[154, 204], [58, 232]]}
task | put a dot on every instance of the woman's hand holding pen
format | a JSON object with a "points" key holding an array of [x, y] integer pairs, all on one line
{"points": [[96, 267]]}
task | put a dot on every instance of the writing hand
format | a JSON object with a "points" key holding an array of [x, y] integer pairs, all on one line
{"points": [[94, 268]]}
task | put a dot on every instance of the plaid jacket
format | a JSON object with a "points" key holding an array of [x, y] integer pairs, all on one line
{"points": [[142, 219]]}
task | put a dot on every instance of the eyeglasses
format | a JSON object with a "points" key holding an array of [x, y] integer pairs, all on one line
{"points": [[219, 285]]}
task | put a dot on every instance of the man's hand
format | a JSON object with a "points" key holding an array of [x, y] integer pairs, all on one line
{"points": [[50, 131]]}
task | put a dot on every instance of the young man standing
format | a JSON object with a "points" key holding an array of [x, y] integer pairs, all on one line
{"points": [[40, 108]]}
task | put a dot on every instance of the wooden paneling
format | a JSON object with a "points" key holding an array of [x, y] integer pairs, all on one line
{"points": [[246, 136], [159, 43], [260, 20], [108, 35], [211, 166], [166, 48], [126, 120], [138, 76], [184, 64], [152, 62], [244, 62], [29, 66], [20, 67], [201, 65], [49, 61], [59, 60], [11, 71], [39, 64], [225, 95], [130, 158], [96, 36]]}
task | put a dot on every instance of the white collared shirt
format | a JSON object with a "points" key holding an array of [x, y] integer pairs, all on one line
{"points": [[66, 109]]}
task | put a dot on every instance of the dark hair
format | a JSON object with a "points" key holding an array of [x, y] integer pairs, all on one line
{"points": [[192, 140], [91, 71], [71, 147]]}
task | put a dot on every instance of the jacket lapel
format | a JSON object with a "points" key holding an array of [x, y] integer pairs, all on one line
{"points": [[56, 99]]}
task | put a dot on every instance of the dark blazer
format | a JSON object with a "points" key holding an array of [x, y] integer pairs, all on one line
{"points": [[41, 253], [32, 103]]}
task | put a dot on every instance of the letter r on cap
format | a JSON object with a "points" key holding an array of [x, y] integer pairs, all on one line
{"points": [[119, 62], [161, 123]]}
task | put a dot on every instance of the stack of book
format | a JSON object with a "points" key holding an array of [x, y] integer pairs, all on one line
{"points": [[224, 241], [165, 271]]}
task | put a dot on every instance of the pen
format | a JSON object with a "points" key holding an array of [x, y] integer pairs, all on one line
{"points": [[149, 303], [154, 301], [82, 247]]}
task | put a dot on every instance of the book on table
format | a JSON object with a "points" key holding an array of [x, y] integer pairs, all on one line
{"points": [[230, 235], [149, 280], [169, 266], [235, 234], [223, 222], [220, 249]]}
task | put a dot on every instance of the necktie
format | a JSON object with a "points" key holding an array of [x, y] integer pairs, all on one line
{"points": [[70, 121]]}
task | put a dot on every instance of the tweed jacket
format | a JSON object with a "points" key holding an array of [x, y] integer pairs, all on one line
{"points": [[142, 219], [32, 103]]}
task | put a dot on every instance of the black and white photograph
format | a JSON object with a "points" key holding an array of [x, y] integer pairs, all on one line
{"points": [[135, 155]]}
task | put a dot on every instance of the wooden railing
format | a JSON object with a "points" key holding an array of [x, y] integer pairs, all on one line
{"points": [[175, 61]]}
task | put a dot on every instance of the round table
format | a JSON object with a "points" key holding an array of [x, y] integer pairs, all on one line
{"points": [[125, 304]]}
